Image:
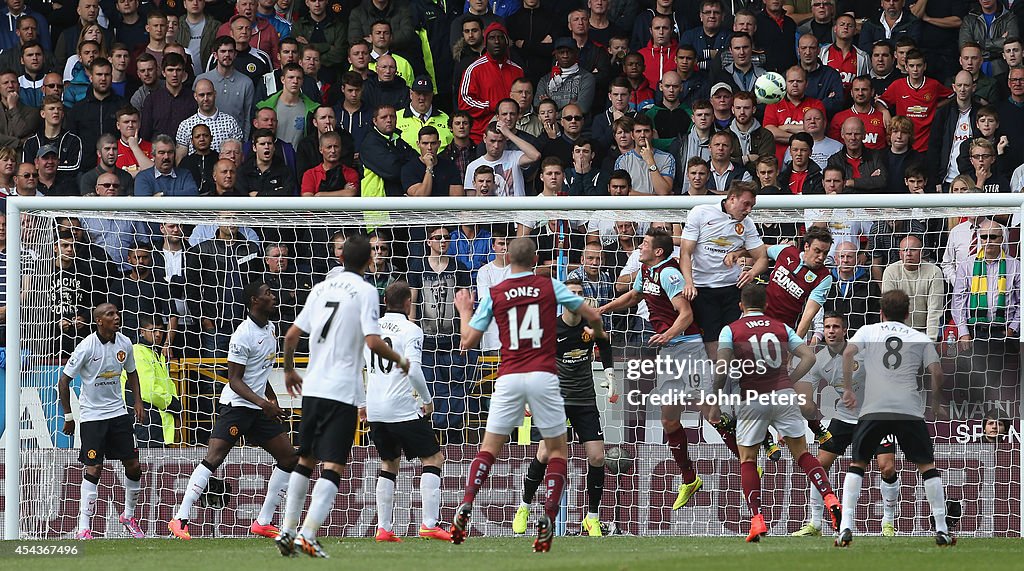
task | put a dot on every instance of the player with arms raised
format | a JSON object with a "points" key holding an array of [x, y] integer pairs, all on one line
{"points": [[341, 314], [660, 283], [759, 346], [107, 430], [524, 306], [894, 353], [248, 407], [828, 369], [797, 288], [576, 375], [398, 408]]}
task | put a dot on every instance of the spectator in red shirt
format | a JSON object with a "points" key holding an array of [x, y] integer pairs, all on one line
{"points": [[133, 154], [917, 97], [786, 117], [330, 178]]}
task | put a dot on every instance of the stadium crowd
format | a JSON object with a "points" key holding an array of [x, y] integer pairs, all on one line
{"points": [[506, 98]]}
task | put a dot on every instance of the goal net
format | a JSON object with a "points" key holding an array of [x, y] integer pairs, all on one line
{"points": [[175, 269]]}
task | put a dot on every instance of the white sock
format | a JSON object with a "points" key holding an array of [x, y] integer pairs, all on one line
{"points": [[817, 507], [430, 494], [324, 493], [523, 504], [851, 496], [937, 501], [196, 484], [592, 515], [890, 497], [385, 502], [131, 496], [276, 490], [298, 487], [87, 504]]}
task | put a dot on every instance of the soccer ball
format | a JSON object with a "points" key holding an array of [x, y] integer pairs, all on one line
{"points": [[617, 460], [770, 88]]}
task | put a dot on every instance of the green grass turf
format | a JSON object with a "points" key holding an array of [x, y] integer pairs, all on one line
{"points": [[573, 553]]}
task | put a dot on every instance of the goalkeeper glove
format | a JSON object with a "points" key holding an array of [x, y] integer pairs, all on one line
{"points": [[609, 385]]}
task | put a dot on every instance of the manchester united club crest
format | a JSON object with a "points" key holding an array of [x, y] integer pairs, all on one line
{"points": [[739, 228], [336, 8], [91, 454], [121, 356], [927, 96], [233, 431], [876, 122], [171, 3], [586, 336]]}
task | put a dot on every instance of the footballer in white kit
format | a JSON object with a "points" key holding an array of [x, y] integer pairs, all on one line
{"points": [[341, 318], [894, 403], [828, 370], [248, 407], [107, 430], [398, 408]]}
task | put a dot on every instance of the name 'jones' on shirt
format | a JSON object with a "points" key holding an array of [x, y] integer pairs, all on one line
{"points": [[522, 291]]}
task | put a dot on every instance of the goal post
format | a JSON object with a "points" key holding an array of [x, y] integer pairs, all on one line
{"points": [[992, 473]]}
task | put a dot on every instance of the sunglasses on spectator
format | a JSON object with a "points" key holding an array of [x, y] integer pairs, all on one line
{"points": [[572, 117], [53, 85], [440, 237], [29, 175], [109, 184], [990, 236]]}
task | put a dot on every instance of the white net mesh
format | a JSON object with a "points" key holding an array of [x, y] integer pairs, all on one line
{"points": [[192, 293]]}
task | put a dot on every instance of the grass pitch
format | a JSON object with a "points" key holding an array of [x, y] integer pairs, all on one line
{"points": [[569, 553]]}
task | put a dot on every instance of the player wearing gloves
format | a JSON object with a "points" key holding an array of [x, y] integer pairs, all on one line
{"points": [[576, 379]]}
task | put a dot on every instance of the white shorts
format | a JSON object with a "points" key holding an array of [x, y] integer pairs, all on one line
{"points": [[692, 377], [753, 419], [539, 390]]}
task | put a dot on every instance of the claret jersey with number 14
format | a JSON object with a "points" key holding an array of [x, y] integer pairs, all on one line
{"points": [[523, 305]]}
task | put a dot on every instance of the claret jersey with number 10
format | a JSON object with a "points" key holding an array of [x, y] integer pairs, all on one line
{"points": [[523, 305]]}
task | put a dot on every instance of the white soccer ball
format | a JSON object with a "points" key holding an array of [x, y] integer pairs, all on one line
{"points": [[617, 460], [770, 88]]}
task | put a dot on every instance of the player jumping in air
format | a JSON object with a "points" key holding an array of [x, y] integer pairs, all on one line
{"points": [[797, 287], [893, 403], [524, 306], [107, 430], [248, 407], [341, 317], [398, 408], [761, 346], [661, 284], [576, 375]]}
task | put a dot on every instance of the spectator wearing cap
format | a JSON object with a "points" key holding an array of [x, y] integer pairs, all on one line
{"points": [[488, 80], [50, 183], [567, 83], [163, 178], [721, 105], [421, 112], [292, 106], [660, 52]]}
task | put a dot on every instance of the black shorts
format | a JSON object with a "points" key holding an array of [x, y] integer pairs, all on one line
{"points": [[234, 422], [912, 434], [842, 437], [415, 437], [715, 308], [327, 430], [585, 421], [111, 438]]}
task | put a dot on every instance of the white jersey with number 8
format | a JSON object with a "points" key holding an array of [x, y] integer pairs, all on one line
{"points": [[894, 356]]}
